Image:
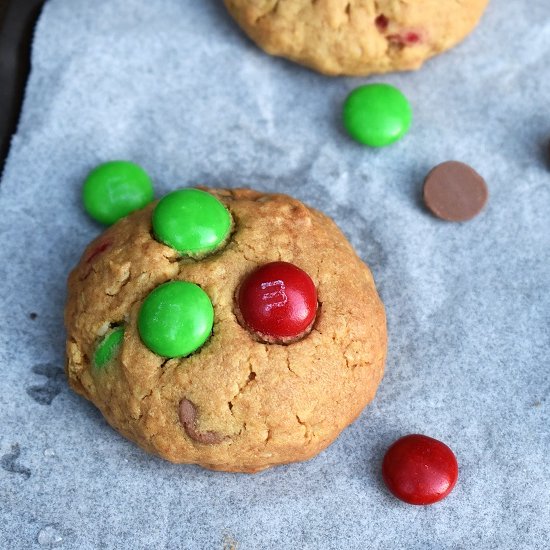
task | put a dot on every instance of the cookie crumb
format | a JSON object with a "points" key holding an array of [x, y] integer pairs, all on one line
{"points": [[229, 543]]}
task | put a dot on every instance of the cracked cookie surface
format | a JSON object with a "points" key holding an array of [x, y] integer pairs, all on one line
{"points": [[236, 404], [357, 37]]}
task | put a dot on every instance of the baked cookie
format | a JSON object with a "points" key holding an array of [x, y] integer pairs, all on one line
{"points": [[357, 37], [286, 345]]}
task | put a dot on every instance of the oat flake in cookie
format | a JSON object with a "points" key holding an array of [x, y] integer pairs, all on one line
{"points": [[357, 37], [238, 402]]}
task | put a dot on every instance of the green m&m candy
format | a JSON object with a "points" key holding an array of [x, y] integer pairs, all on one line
{"points": [[191, 221], [176, 319], [115, 189], [377, 115], [108, 348]]}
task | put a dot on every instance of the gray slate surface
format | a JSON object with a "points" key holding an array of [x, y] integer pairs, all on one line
{"points": [[174, 85]]}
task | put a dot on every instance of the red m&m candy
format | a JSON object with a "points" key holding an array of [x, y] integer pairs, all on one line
{"points": [[278, 302], [419, 469]]}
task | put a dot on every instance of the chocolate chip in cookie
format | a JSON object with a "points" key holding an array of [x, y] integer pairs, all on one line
{"points": [[188, 418]]}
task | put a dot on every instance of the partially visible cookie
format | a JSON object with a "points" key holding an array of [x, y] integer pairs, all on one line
{"points": [[250, 396], [357, 37]]}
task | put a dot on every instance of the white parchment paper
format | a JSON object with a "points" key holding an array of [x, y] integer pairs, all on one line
{"points": [[175, 86]]}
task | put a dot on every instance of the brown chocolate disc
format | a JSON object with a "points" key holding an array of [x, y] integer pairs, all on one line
{"points": [[455, 192]]}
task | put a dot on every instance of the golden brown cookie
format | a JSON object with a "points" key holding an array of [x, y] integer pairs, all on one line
{"points": [[237, 404], [357, 37]]}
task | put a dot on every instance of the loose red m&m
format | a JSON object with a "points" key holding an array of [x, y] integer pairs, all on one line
{"points": [[278, 302], [419, 469]]}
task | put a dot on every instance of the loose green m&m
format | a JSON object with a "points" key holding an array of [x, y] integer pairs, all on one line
{"points": [[108, 348], [377, 115], [176, 319], [115, 189], [191, 221]]}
